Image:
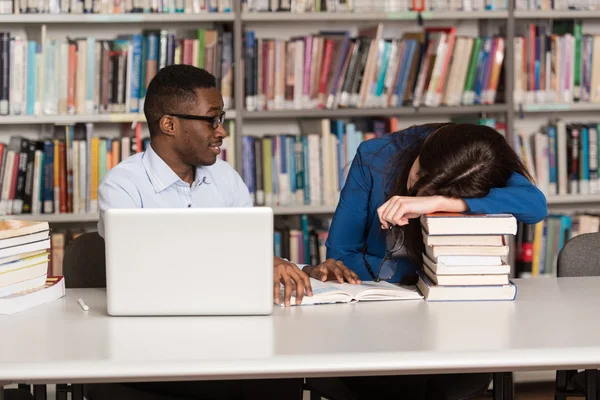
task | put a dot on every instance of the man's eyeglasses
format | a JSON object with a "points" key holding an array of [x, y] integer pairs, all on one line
{"points": [[394, 240], [214, 121]]}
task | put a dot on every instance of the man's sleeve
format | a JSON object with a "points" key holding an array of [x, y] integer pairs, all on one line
{"points": [[116, 194]]}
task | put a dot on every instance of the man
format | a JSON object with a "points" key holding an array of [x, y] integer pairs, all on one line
{"points": [[181, 167]]}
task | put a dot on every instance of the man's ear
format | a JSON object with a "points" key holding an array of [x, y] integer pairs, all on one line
{"points": [[167, 125]]}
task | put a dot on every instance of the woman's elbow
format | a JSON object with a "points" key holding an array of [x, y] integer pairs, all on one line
{"points": [[538, 208]]}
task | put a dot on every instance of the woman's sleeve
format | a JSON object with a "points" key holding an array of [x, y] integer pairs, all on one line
{"points": [[519, 197], [347, 232]]}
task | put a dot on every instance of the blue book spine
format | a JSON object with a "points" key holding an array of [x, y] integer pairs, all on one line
{"points": [[553, 172], [31, 83], [90, 75], [584, 159], [306, 170], [248, 163], [481, 66], [277, 244], [48, 196], [152, 44], [384, 62], [338, 128], [274, 167], [397, 90], [410, 48], [291, 159], [136, 72], [305, 237]]}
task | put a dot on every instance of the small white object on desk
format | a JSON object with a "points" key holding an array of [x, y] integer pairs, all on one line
{"points": [[82, 304]]}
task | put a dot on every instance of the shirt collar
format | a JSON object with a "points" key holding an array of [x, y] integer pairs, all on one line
{"points": [[162, 176]]}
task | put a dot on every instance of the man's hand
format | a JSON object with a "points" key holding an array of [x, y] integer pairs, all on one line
{"points": [[292, 278], [399, 209], [332, 270]]}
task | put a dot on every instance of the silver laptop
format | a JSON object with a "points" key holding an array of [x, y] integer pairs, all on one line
{"points": [[192, 261]]}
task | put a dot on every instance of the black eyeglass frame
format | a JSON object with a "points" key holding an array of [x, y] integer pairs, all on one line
{"points": [[214, 121], [389, 254]]}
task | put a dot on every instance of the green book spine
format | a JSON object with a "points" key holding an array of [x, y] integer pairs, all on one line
{"points": [[469, 85], [268, 170], [143, 70], [201, 48], [578, 33]]}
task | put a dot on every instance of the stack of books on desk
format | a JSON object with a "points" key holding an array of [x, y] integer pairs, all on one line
{"points": [[464, 257], [24, 256]]}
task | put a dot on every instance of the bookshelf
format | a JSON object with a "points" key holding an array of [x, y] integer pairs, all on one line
{"points": [[239, 21]]}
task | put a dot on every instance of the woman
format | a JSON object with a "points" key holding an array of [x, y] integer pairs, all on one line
{"points": [[395, 179], [424, 169]]}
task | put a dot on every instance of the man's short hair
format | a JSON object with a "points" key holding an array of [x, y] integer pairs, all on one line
{"points": [[171, 86]]}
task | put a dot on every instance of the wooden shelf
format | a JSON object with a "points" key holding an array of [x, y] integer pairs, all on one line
{"points": [[93, 217], [559, 107], [114, 18], [556, 14], [73, 119], [297, 210], [55, 218], [573, 199], [373, 112], [370, 16]]}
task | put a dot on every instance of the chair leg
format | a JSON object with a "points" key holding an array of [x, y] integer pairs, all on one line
{"points": [[39, 392], [77, 392], [27, 388], [561, 385], [503, 386], [591, 384]]}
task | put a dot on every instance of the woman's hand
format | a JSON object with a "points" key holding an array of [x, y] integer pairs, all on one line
{"points": [[332, 270], [399, 209]]}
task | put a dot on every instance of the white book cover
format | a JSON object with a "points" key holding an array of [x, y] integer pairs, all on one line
{"points": [[541, 162], [76, 180], [328, 189], [561, 145], [80, 83], [63, 77], [36, 191], [593, 160], [82, 173], [316, 173], [6, 184], [298, 74]]}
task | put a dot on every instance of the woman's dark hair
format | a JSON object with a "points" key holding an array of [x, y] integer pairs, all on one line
{"points": [[455, 160]]}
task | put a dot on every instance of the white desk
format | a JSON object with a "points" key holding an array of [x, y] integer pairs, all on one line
{"points": [[552, 324]]}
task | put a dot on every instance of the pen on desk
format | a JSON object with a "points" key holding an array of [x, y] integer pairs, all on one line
{"points": [[83, 305]]}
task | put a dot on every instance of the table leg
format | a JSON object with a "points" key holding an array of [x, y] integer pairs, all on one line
{"points": [[591, 383], [61, 392], [76, 392], [39, 392], [27, 388], [503, 386]]}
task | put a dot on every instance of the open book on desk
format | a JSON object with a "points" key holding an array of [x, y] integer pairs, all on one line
{"points": [[333, 292]]}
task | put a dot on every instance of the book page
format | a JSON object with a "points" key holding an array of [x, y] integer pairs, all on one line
{"points": [[372, 291]]}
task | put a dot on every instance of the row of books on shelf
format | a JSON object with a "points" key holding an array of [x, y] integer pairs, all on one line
{"points": [[115, 6], [360, 6], [563, 157], [88, 75], [62, 174], [334, 70], [25, 280], [310, 169], [557, 64], [546, 5], [538, 246]]}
